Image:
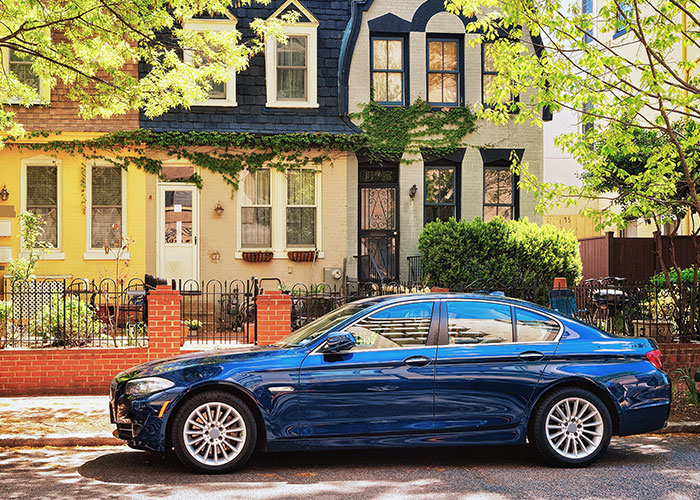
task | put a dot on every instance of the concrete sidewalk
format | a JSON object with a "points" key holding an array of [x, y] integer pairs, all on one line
{"points": [[56, 421], [84, 421]]}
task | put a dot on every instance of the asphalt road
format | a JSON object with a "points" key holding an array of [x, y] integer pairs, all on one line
{"points": [[654, 467]]}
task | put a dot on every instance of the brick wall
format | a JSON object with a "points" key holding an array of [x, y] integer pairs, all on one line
{"points": [[274, 310], [680, 356], [62, 114], [89, 371]]}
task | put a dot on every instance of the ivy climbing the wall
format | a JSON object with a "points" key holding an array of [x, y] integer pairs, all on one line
{"points": [[387, 133]]}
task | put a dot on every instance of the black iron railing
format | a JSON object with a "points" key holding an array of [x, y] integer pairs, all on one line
{"points": [[73, 313], [218, 312]]}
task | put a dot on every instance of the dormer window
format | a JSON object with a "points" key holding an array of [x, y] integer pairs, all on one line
{"points": [[221, 93], [292, 67], [20, 65]]}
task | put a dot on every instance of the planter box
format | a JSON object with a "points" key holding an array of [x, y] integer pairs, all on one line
{"points": [[258, 256], [301, 255], [661, 331]]}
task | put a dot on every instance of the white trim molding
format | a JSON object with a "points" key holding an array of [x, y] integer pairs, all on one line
{"points": [[98, 253], [228, 24], [278, 217], [44, 88], [309, 29], [43, 161]]}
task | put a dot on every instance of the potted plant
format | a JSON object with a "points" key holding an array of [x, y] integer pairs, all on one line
{"points": [[258, 256], [301, 255], [193, 325]]}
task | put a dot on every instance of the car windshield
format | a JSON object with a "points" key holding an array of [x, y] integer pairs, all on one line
{"points": [[315, 329]]}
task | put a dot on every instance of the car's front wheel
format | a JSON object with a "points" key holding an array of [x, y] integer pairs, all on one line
{"points": [[214, 432], [571, 427]]}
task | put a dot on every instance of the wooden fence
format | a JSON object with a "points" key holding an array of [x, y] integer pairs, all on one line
{"points": [[632, 258]]}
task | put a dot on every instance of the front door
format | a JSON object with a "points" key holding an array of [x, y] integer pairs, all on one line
{"points": [[378, 236], [178, 232], [490, 364], [383, 385]]}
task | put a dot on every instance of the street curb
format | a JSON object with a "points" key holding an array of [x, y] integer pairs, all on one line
{"points": [[40, 442], [680, 427]]}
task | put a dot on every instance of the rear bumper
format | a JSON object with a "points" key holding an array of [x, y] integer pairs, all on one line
{"points": [[647, 419]]}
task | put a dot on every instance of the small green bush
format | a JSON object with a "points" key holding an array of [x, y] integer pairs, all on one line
{"points": [[687, 277], [67, 321], [504, 254]]}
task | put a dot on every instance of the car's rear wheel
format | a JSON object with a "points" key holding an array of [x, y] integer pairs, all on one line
{"points": [[214, 432], [571, 427]]}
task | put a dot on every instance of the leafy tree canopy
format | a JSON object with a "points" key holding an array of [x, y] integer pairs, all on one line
{"points": [[87, 44], [630, 70]]}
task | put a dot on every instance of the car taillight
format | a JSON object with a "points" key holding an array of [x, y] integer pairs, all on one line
{"points": [[654, 358]]}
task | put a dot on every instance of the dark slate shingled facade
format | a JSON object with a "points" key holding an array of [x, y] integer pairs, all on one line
{"points": [[251, 114]]}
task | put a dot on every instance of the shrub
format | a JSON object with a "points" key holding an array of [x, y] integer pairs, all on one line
{"points": [[67, 321], [503, 254]]}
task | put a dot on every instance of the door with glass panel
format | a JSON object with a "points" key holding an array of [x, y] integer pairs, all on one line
{"points": [[383, 384], [378, 236], [489, 363], [178, 232]]}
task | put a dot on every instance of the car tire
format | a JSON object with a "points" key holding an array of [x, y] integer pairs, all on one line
{"points": [[571, 427], [214, 432]]}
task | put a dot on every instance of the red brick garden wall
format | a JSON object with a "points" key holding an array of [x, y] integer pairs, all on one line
{"points": [[274, 311], [26, 372], [680, 356]]}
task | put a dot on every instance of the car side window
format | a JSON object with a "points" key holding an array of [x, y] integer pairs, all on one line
{"points": [[474, 322], [405, 325], [534, 327]]}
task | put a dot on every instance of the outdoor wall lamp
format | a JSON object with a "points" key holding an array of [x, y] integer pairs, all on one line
{"points": [[412, 192], [4, 194], [218, 208]]}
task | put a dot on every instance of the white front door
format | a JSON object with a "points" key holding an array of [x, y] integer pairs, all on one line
{"points": [[178, 231]]}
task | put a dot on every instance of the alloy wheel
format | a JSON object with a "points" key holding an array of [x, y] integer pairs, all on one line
{"points": [[574, 428], [214, 433]]}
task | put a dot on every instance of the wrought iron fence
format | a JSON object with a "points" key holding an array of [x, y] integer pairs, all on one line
{"points": [[639, 309], [218, 312], [313, 301], [73, 313]]}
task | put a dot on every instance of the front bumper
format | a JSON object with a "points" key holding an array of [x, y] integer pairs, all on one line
{"points": [[138, 419]]}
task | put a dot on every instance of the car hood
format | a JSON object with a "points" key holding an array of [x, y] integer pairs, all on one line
{"points": [[243, 355]]}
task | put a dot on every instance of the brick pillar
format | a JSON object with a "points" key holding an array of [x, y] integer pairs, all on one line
{"points": [[274, 316], [164, 330]]}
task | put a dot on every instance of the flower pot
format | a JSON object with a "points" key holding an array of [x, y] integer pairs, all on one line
{"points": [[661, 331], [261, 256], [301, 255]]}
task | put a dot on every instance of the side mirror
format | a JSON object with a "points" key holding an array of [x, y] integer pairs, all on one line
{"points": [[339, 342]]}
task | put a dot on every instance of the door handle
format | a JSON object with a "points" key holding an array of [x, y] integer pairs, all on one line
{"points": [[531, 356], [417, 361]]}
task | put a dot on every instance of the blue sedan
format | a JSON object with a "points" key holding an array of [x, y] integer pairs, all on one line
{"points": [[399, 371]]}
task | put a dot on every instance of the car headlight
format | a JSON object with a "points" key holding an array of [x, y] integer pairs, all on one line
{"points": [[147, 385]]}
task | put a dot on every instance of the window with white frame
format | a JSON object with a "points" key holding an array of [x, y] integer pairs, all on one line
{"points": [[301, 208], [223, 93], [256, 210], [279, 210], [292, 66], [41, 198], [21, 66], [106, 207]]}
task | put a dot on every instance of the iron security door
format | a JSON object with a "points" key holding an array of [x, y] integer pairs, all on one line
{"points": [[378, 236]]}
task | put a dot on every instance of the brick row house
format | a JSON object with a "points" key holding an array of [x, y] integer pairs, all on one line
{"points": [[349, 212]]}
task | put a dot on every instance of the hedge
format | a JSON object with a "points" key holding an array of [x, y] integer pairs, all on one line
{"points": [[505, 254]]}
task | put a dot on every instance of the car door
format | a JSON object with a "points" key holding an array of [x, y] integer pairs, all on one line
{"points": [[489, 362], [385, 384]]}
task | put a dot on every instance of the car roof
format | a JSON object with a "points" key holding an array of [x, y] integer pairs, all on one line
{"points": [[407, 297]]}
